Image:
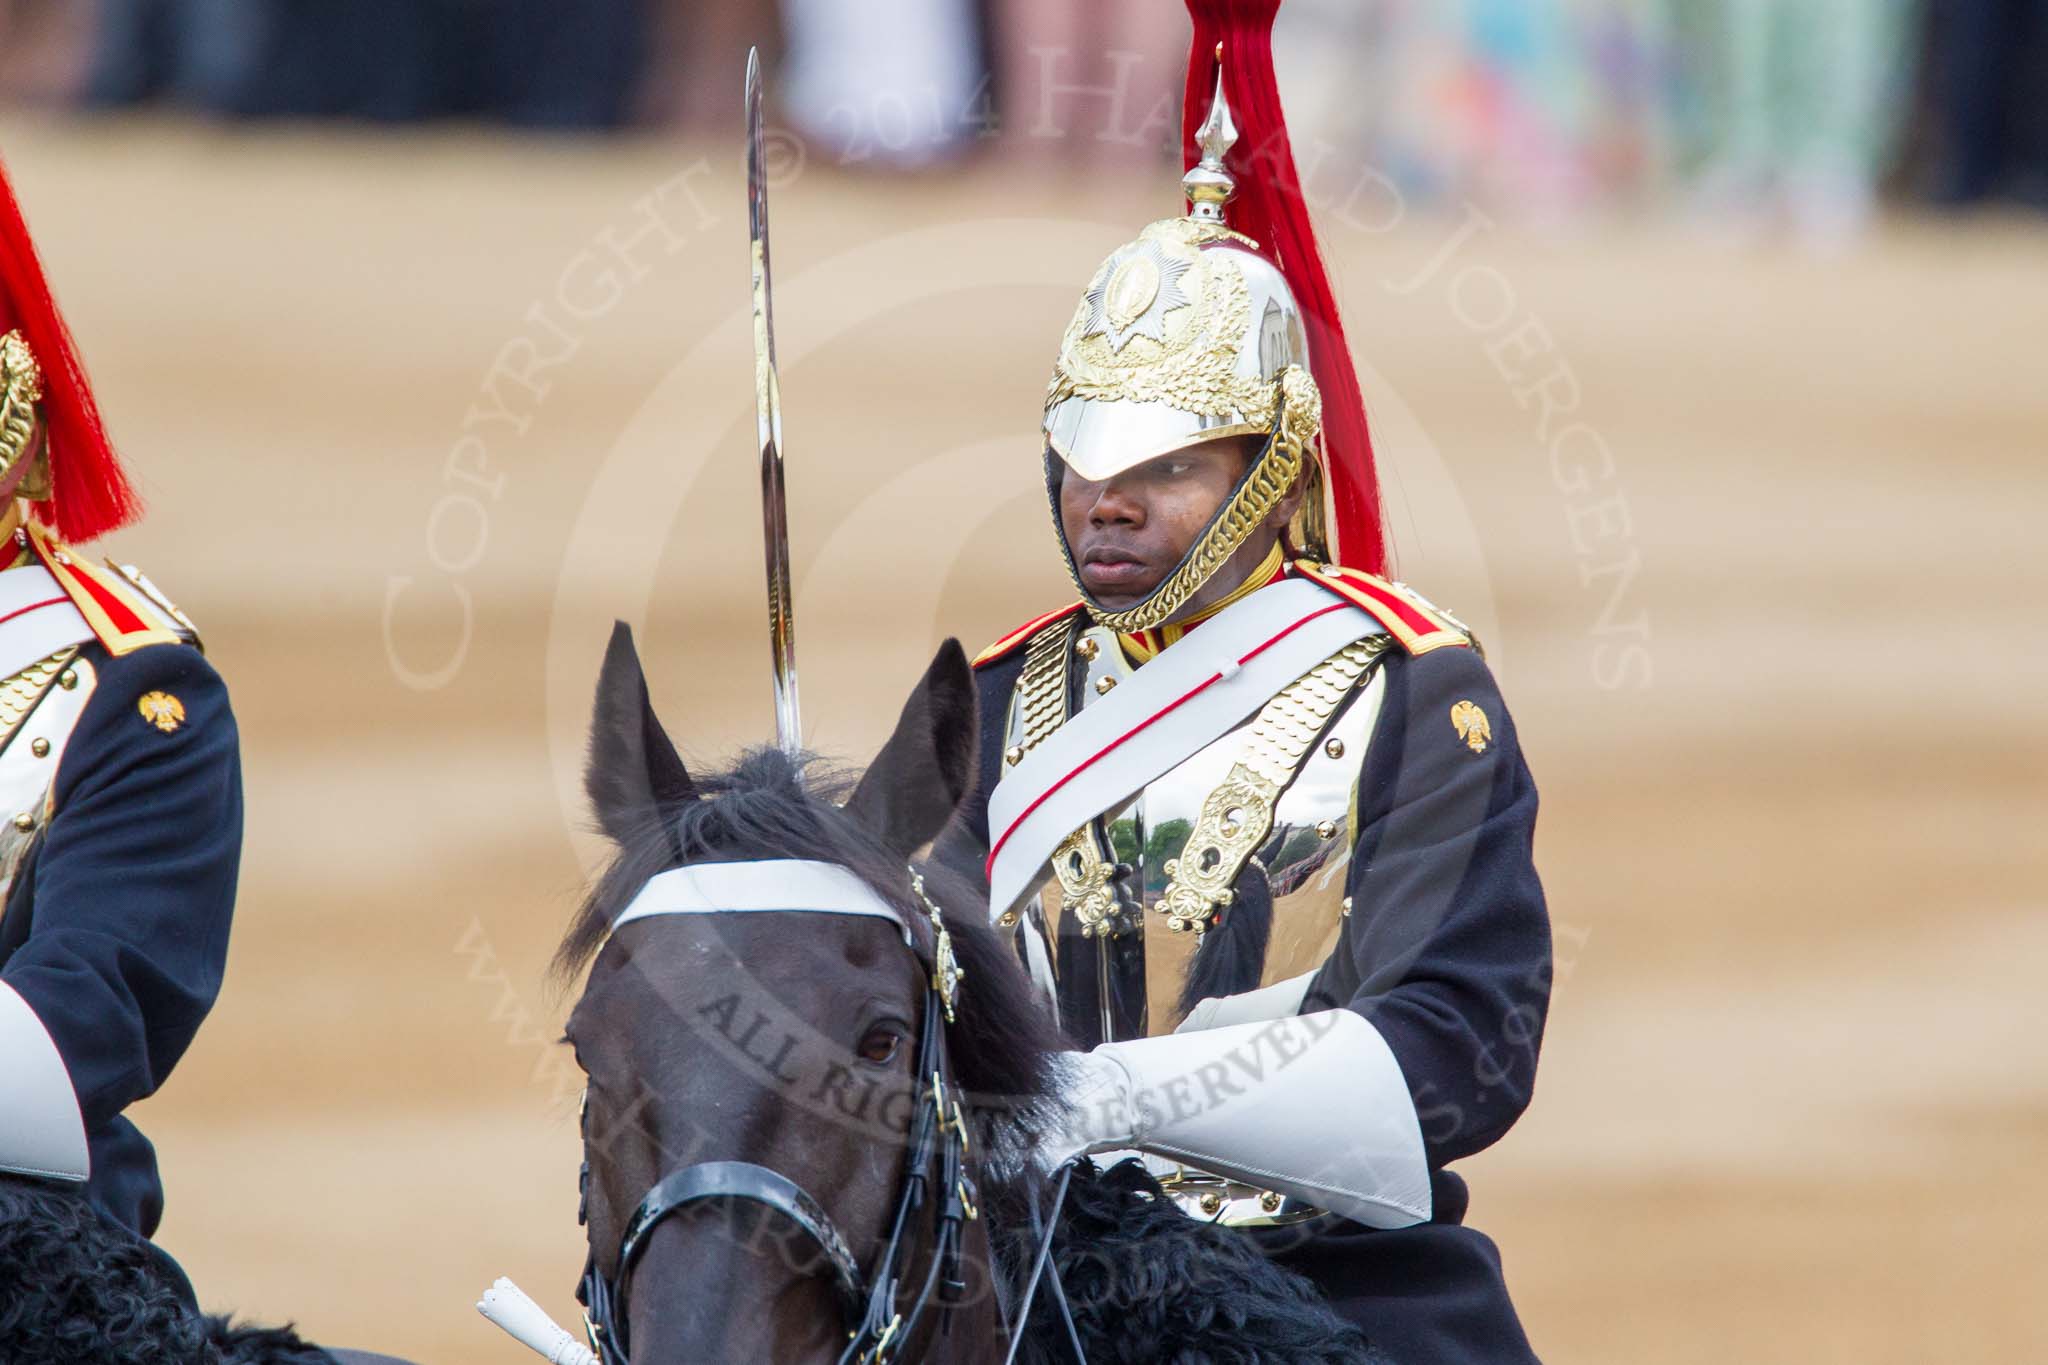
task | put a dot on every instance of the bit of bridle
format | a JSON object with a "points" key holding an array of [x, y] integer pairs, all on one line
{"points": [[935, 1178]]}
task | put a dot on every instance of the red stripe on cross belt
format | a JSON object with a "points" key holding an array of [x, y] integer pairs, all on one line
{"points": [[1109, 748], [33, 606]]}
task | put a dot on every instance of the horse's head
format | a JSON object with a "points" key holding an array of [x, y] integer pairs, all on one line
{"points": [[761, 1136]]}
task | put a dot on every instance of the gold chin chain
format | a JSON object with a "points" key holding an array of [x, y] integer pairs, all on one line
{"points": [[1238, 814], [1301, 417]]}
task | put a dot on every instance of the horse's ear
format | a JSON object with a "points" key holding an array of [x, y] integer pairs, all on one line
{"points": [[633, 768], [925, 770]]}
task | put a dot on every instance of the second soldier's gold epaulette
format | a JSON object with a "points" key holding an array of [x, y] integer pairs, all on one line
{"points": [[1018, 638], [1409, 617], [125, 610]]}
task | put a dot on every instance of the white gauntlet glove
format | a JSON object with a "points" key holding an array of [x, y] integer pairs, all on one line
{"points": [[1099, 1119], [1313, 1106]]}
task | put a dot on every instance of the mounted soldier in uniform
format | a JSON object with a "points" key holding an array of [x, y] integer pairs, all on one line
{"points": [[1255, 815]]}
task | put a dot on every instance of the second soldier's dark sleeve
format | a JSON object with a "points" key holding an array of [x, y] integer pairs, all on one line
{"points": [[134, 884]]}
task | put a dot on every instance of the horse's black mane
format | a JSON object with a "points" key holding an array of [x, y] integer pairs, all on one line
{"points": [[766, 806]]}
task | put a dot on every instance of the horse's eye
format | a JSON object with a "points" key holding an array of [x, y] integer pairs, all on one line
{"points": [[881, 1044]]}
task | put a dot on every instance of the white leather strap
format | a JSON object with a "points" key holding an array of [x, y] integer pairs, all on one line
{"points": [[1313, 1106], [777, 885], [1158, 717], [37, 618], [41, 1131]]}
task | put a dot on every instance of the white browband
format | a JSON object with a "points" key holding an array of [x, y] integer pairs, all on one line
{"points": [[782, 885]]}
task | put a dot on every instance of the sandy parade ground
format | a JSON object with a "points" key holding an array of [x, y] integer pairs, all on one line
{"points": [[1751, 535]]}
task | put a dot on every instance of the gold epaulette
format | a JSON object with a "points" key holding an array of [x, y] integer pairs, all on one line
{"points": [[1409, 617], [123, 608], [1016, 639]]}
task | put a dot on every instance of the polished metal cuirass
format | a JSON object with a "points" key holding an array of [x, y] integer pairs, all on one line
{"points": [[1124, 973]]}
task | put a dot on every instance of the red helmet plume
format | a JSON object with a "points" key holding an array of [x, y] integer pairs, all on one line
{"points": [[1268, 208], [90, 494]]}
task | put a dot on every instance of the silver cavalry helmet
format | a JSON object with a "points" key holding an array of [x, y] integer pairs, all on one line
{"points": [[1186, 335]]}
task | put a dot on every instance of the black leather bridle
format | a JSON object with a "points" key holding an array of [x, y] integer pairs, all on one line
{"points": [[878, 1317]]}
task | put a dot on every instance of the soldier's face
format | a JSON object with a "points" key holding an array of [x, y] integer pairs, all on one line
{"points": [[1129, 531]]}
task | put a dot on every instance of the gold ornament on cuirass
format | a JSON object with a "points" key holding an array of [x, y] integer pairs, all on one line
{"points": [[21, 423], [1238, 814]]}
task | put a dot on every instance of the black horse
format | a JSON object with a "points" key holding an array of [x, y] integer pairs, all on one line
{"points": [[77, 1290], [800, 1147]]}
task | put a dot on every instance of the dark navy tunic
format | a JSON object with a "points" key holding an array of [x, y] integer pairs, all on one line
{"points": [[1447, 952], [115, 930]]}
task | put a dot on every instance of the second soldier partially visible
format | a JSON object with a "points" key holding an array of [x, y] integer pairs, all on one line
{"points": [[120, 788]]}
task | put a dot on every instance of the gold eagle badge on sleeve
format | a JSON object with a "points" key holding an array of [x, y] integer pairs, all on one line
{"points": [[1471, 725]]}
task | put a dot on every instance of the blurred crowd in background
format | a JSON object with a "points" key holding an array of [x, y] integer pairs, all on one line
{"points": [[1798, 114]]}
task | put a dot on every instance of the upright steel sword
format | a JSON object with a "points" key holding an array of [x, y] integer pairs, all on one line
{"points": [[768, 423]]}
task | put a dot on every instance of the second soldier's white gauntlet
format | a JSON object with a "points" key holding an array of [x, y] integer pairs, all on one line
{"points": [[41, 1130], [1313, 1106]]}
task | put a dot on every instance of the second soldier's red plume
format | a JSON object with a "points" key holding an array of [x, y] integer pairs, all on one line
{"points": [[90, 493]]}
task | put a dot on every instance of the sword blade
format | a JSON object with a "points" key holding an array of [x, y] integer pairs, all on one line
{"points": [[768, 424]]}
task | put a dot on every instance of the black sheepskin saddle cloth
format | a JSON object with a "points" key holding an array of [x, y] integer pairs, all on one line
{"points": [[1147, 1285], [76, 1290]]}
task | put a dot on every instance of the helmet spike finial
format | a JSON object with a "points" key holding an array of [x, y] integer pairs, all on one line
{"points": [[1209, 186]]}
